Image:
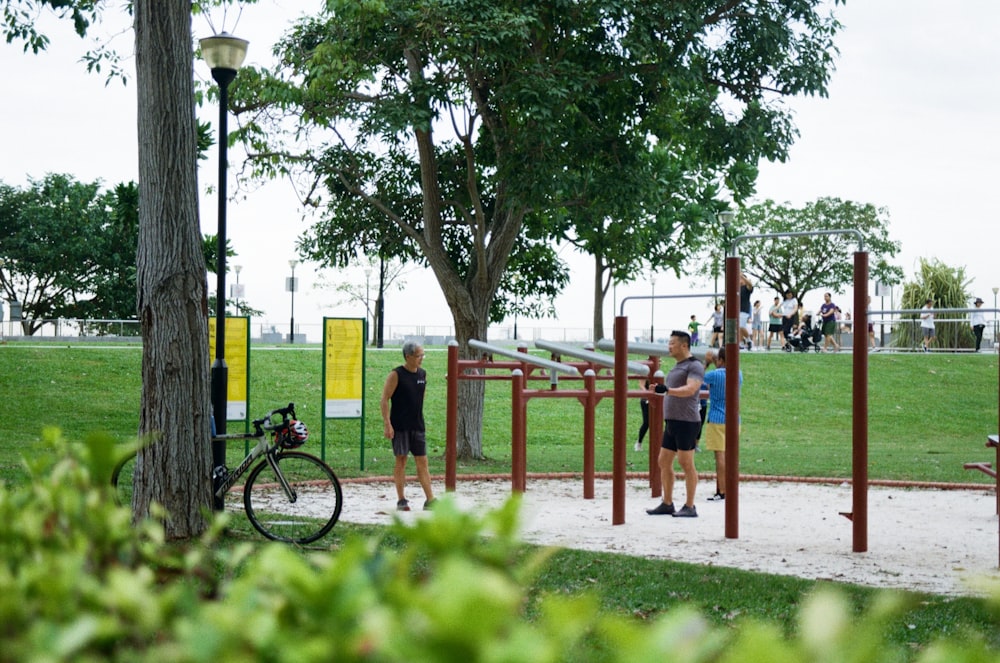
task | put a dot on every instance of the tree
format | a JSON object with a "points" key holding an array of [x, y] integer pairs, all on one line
{"points": [[803, 264], [949, 288], [54, 236], [172, 303], [485, 113], [170, 268]]}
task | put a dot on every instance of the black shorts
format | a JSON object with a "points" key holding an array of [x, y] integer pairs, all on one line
{"points": [[680, 435], [409, 442], [774, 329], [716, 330]]}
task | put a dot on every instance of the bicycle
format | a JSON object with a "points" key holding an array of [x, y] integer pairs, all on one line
{"points": [[289, 496]]}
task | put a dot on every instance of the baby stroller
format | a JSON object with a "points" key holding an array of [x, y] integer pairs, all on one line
{"points": [[804, 338]]}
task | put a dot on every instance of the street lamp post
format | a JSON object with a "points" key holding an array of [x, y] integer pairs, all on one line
{"points": [[236, 290], [368, 310], [652, 305], [291, 289], [224, 54], [995, 291]]}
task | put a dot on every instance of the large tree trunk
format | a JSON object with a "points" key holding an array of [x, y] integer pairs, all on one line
{"points": [[172, 306], [471, 393], [600, 290]]}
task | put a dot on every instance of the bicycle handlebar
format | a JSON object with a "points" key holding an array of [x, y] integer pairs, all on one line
{"points": [[285, 413]]}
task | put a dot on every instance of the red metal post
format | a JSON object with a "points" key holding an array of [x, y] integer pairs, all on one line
{"points": [[620, 422], [451, 420], [732, 341], [519, 451], [859, 472], [589, 408]]}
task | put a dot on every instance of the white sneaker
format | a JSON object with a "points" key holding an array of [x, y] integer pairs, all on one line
{"points": [[638, 446]]}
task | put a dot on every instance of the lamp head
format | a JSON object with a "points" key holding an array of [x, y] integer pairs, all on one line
{"points": [[224, 51]]}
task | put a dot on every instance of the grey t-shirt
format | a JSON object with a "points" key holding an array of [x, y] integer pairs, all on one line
{"points": [[676, 407]]}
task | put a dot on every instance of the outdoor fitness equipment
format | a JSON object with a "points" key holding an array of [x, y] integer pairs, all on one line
{"points": [[520, 371]]}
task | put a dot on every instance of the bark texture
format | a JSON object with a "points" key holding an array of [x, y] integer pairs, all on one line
{"points": [[174, 471]]}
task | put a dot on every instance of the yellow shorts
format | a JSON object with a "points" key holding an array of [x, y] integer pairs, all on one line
{"points": [[715, 437]]}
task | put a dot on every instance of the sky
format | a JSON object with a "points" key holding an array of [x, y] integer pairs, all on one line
{"points": [[909, 125]]}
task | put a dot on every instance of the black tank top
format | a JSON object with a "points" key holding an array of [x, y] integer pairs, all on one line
{"points": [[407, 411]]}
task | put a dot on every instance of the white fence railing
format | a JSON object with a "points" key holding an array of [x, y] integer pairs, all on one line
{"points": [[434, 335]]}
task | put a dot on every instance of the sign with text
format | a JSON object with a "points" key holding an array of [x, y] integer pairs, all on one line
{"points": [[237, 358], [343, 367]]}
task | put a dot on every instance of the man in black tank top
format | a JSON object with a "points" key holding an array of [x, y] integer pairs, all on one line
{"points": [[403, 422]]}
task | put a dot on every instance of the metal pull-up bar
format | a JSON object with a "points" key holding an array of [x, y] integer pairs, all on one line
{"points": [[634, 367], [525, 357]]}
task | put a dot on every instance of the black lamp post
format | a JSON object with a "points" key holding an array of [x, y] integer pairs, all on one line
{"points": [[380, 303], [291, 289], [224, 54], [652, 305]]}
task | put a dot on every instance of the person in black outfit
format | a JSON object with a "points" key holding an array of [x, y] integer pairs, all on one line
{"points": [[403, 423], [644, 427]]}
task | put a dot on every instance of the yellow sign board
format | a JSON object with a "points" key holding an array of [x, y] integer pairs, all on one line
{"points": [[344, 364], [237, 354]]}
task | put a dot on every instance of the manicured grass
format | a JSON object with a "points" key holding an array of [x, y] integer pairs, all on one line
{"points": [[928, 415]]}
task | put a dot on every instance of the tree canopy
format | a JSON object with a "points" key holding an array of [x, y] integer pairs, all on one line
{"points": [[69, 249], [803, 264], [458, 121]]}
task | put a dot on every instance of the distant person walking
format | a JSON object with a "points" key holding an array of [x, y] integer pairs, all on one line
{"points": [[746, 310], [716, 320], [693, 327], [789, 307], [757, 323], [715, 427], [977, 320], [403, 422], [828, 314], [774, 323], [927, 324], [682, 422]]}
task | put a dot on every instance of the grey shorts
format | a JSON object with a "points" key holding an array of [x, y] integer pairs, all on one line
{"points": [[928, 332], [409, 442]]}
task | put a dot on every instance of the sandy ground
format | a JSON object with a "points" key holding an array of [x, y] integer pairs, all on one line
{"points": [[941, 541]]}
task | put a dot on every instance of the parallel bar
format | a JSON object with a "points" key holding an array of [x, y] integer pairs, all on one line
{"points": [[634, 367], [525, 357], [650, 349]]}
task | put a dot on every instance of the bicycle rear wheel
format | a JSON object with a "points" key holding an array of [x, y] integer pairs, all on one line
{"points": [[304, 512], [121, 480]]}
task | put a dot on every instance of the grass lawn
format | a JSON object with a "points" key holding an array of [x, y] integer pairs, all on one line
{"points": [[928, 415]]}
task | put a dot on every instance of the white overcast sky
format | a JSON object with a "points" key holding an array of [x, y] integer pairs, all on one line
{"points": [[910, 124]]}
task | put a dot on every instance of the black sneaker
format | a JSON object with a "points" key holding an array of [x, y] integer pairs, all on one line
{"points": [[718, 497], [686, 512], [402, 505], [661, 510], [430, 504]]}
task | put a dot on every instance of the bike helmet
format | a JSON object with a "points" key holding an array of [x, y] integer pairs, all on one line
{"points": [[295, 435]]}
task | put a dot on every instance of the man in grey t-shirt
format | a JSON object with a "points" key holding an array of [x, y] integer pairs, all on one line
{"points": [[683, 423]]}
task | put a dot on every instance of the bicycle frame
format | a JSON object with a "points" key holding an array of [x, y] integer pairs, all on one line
{"points": [[262, 447]]}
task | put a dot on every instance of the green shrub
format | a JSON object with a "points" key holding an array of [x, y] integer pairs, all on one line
{"points": [[78, 583]]}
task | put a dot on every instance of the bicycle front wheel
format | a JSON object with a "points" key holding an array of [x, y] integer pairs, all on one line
{"points": [[299, 506]]}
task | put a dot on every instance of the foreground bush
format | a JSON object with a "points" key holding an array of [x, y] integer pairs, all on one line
{"points": [[79, 583]]}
